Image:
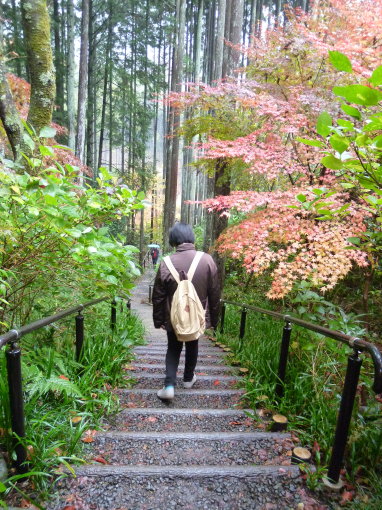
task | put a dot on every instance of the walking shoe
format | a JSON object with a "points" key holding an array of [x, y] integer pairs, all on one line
{"points": [[166, 393], [189, 384]]}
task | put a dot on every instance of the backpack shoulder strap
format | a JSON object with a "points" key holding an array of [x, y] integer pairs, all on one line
{"points": [[194, 264], [171, 268]]}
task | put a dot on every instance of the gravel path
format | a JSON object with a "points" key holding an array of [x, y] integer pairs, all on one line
{"points": [[200, 451]]}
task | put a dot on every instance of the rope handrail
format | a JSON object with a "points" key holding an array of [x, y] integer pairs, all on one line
{"points": [[351, 341], [14, 334]]}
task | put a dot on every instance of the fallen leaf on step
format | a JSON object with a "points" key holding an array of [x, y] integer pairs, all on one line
{"points": [[316, 447], [152, 419], [201, 373], [101, 460], [88, 436], [346, 497], [217, 382], [129, 367], [235, 423]]}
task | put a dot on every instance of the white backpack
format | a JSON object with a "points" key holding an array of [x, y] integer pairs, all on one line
{"points": [[187, 312]]}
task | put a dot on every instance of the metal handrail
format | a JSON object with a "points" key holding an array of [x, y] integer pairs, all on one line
{"points": [[15, 334], [151, 288], [351, 341], [351, 379], [13, 357]]}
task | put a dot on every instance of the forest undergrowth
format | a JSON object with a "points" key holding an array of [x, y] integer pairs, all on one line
{"points": [[314, 381], [65, 400]]}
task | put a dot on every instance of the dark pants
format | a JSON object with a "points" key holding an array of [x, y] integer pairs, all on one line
{"points": [[174, 348]]}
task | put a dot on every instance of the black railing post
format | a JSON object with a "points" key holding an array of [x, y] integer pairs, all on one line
{"points": [[113, 314], [150, 293], [13, 356], [243, 320], [128, 304], [287, 329], [79, 335], [222, 317], [344, 416]]}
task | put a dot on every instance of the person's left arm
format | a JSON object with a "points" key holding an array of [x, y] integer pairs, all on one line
{"points": [[159, 300]]}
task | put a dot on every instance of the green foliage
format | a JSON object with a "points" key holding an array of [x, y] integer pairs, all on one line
{"points": [[340, 61], [51, 228], [353, 150], [359, 94]]}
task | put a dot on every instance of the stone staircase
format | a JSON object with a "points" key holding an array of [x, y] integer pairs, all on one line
{"points": [[201, 451]]}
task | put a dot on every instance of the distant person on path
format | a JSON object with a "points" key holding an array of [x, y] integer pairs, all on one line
{"points": [[207, 287], [154, 255]]}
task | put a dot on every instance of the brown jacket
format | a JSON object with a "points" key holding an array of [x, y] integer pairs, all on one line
{"points": [[205, 281]]}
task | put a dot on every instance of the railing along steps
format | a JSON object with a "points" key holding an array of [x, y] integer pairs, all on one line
{"points": [[201, 451]]}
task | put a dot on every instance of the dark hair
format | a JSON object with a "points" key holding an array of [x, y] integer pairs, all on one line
{"points": [[181, 233]]}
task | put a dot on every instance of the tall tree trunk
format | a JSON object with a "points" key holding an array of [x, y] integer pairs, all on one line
{"points": [[104, 91], [142, 249], [124, 94], [278, 9], [197, 78], [219, 51], [58, 60], [236, 27], [110, 114], [172, 183], [91, 95], [111, 92], [259, 17], [8, 113], [222, 180], [36, 24], [227, 28], [71, 102], [82, 82], [16, 37], [103, 116], [253, 21], [211, 38]]}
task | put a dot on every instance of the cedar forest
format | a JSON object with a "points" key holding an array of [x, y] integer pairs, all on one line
{"points": [[256, 121]]}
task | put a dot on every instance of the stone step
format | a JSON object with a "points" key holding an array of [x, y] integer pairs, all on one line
{"points": [[201, 369], [196, 449], [183, 420], [159, 350], [216, 399], [157, 341], [149, 380], [155, 359], [180, 488]]}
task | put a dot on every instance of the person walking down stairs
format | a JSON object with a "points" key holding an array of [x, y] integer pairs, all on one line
{"points": [[207, 286]]}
